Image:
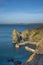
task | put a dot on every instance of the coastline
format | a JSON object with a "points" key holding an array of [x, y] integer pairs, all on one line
{"points": [[38, 60]]}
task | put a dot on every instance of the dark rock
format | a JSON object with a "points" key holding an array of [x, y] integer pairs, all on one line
{"points": [[17, 62], [38, 60], [20, 37], [10, 60]]}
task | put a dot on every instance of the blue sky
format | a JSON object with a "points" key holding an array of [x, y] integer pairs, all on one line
{"points": [[21, 11]]}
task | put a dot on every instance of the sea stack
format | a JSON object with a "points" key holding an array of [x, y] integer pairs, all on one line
{"points": [[15, 36]]}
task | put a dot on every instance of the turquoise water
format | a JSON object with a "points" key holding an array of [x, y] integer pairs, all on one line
{"points": [[7, 50]]}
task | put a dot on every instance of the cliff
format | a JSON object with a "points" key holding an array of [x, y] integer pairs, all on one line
{"points": [[32, 35], [15, 36], [38, 60]]}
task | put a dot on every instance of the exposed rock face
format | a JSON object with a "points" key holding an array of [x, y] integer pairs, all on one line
{"points": [[17, 62], [25, 35], [36, 34], [38, 60], [32, 35], [15, 36]]}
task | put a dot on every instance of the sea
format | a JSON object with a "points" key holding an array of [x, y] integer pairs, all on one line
{"points": [[7, 49]]}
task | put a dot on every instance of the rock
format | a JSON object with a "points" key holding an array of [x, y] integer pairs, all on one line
{"points": [[32, 35], [25, 35], [17, 46], [17, 62], [36, 34], [10, 60], [38, 60], [15, 36]]}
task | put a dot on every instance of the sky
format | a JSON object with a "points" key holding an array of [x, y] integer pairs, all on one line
{"points": [[21, 11]]}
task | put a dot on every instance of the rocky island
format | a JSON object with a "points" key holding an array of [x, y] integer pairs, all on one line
{"points": [[33, 37]]}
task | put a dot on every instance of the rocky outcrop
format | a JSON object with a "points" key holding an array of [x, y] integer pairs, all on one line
{"points": [[36, 34], [26, 34], [15, 36], [38, 60], [15, 62], [29, 36], [32, 35], [18, 37]]}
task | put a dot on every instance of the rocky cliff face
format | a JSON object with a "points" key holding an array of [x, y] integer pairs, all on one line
{"points": [[38, 60], [15, 36], [36, 34], [25, 35], [32, 35]]}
